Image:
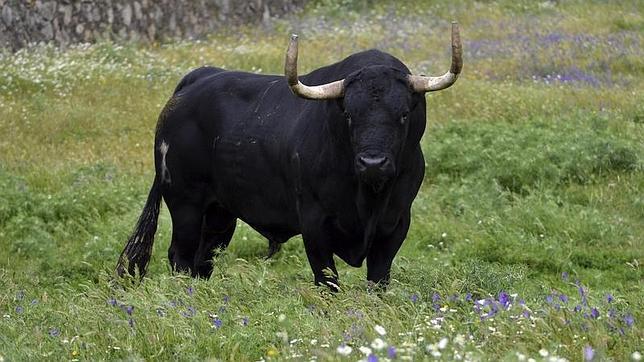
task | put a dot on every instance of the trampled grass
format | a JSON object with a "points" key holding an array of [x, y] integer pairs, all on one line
{"points": [[526, 239]]}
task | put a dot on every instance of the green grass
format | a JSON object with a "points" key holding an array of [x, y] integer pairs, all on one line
{"points": [[534, 169]]}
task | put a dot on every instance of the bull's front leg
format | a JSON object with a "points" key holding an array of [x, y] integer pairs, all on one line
{"points": [[383, 250], [321, 261], [317, 244]]}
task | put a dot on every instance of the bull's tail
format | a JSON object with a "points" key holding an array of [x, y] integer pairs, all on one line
{"points": [[138, 249]]}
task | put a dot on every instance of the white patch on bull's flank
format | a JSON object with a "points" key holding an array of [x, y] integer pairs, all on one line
{"points": [[165, 173]]}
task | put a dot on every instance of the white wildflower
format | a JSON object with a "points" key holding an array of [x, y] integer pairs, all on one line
{"points": [[365, 350], [636, 356], [459, 339], [380, 330], [344, 350], [442, 343], [520, 356], [543, 353], [314, 342], [378, 344]]}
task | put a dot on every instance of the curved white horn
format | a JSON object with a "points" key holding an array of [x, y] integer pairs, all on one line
{"points": [[421, 83], [324, 91]]}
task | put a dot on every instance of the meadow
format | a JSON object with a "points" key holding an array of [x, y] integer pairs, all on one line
{"points": [[526, 240]]}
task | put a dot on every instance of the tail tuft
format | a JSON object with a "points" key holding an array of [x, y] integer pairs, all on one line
{"points": [[138, 249]]}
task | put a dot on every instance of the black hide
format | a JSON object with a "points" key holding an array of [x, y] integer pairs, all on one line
{"points": [[343, 173]]}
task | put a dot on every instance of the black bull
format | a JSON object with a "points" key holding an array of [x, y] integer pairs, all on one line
{"points": [[339, 163]]}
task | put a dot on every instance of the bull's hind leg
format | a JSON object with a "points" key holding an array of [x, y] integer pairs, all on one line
{"points": [[186, 235], [217, 230]]}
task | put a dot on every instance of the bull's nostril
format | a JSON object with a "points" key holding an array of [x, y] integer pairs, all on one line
{"points": [[371, 162]]}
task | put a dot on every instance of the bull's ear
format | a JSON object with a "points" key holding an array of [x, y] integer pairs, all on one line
{"points": [[340, 102]]}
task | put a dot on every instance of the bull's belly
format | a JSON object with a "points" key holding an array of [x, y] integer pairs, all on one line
{"points": [[261, 202]]}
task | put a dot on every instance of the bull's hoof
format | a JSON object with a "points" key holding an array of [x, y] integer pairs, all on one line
{"points": [[273, 248]]}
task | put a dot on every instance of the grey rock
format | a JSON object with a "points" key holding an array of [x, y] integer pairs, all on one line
{"points": [[127, 14], [7, 15]]}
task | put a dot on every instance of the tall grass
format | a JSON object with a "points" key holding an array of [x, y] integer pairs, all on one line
{"points": [[526, 240]]}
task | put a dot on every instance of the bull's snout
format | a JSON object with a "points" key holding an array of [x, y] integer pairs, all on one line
{"points": [[371, 164], [375, 170]]}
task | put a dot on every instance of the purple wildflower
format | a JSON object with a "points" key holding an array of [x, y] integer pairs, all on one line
{"points": [[549, 299], [112, 302], [414, 298], [453, 298], [34, 302], [128, 309], [20, 294], [130, 321], [521, 302], [564, 276], [436, 297], [190, 290], [629, 320], [19, 310], [216, 322], [589, 353], [609, 298], [582, 294], [222, 309], [54, 332], [563, 298], [226, 299], [493, 310], [189, 312], [504, 299], [594, 313], [612, 313], [577, 308], [372, 358], [526, 314], [468, 297], [245, 321], [160, 312], [391, 352]]}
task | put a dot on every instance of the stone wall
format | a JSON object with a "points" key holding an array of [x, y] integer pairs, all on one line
{"points": [[70, 21]]}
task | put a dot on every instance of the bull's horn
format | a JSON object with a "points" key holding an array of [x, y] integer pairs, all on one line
{"points": [[421, 83], [324, 91]]}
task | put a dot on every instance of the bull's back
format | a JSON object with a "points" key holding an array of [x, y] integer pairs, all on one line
{"points": [[235, 124]]}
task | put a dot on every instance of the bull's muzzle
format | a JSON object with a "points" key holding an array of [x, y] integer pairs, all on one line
{"points": [[375, 170]]}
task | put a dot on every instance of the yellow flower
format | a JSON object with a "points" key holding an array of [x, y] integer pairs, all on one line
{"points": [[272, 352]]}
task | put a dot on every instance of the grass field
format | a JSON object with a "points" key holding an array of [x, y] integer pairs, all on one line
{"points": [[526, 239]]}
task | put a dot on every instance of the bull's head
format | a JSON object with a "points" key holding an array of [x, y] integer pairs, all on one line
{"points": [[376, 101]]}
